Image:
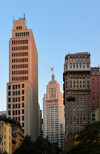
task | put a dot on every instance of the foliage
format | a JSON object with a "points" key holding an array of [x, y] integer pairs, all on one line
{"points": [[27, 146], [40, 146], [89, 140], [5, 152]]}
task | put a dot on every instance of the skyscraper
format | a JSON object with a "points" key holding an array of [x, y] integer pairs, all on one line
{"points": [[22, 89], [76, 79], [53, 113]]}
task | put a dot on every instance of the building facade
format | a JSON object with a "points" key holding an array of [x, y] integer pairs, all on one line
{"points": [[95, 88], [41, 122], [76, 79], [53, 114], [17, 137], [5, 137], [22, 89]]}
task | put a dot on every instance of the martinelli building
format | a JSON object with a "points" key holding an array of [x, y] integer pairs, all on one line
{"points": [[76, 79], [53, 114]]}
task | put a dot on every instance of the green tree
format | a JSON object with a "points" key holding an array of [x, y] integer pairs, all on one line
{"points": [[27, 146], [5, 152], [43, 146], [40, 146], [89, 140]]}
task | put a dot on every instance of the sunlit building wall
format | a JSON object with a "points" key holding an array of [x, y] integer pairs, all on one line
{"points": [[22, 89]]}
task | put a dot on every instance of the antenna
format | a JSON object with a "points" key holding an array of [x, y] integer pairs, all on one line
{"points": [[13, 18], [22, 18]]}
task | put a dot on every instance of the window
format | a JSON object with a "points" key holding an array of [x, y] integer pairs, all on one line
{"points": [[13, 106], [22, 111], [9, 87], [18, 111], [22, 98], [18, 118], [22, 91], [18, 92], [18, 105], [87, 65], [9, 99], [13, 112], [18, 99], [13, 86], [9, 112], [22, 104], [9, 106], [22, 85], [13, 99], [22, 124], [19, 86], [22, 118]]}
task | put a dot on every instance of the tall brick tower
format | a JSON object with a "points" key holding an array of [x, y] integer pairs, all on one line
{"points": [[22, 89]]}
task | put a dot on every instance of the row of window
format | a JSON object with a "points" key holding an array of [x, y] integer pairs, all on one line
{"points": [[22, 34], [15, 99], [15, 86], [20, 72], [20, 60], [15, 106], [20, 54], [19, 27], [18, 119], [15, 93], [20, 66], [20, 48], [78, 66], [20, 42], [15, 112], [20, 78]]}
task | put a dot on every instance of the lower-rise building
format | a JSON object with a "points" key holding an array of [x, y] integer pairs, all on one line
{"points": [[5, 137]]}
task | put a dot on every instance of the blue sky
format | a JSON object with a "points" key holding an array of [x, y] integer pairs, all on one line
{"points": [[59, 27]]}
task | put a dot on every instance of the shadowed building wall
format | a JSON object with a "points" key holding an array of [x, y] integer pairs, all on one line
{"points": [[76, 79]]}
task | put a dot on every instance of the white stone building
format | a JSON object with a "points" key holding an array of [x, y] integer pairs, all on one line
{"points": [[53, 114]]}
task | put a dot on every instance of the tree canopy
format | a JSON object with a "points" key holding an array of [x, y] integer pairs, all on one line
{"points": [[40, 146], [88, 140]]}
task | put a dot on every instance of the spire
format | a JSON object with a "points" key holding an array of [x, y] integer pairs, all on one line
{"points": [[53, 77]]}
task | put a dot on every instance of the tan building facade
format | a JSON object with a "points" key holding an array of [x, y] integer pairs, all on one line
{"points": [[22, 89], [97, 114], [5, 137]]}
